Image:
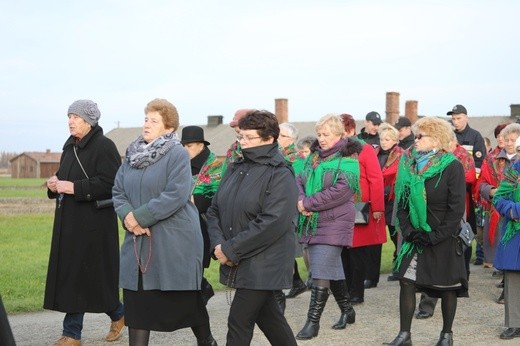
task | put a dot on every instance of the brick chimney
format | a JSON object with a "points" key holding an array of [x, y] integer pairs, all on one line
{"points": [[392, 107], [410, 110], [215, 120], [281, 110]]}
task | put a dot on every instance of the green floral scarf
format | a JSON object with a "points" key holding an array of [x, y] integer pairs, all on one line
{"points": [[315, 171], [207, 181], [508, 189], [410, 191]]}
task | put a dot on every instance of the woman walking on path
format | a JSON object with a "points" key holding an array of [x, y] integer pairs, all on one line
{"points": [[430, 192], [84, 260], [161, 256]]}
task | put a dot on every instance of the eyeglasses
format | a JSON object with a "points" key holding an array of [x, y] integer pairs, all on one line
{"points": [[420, 135], [247, 138]]}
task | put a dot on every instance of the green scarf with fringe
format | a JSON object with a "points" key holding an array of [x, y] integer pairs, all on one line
{"points": [[314, 173], [508, 189], [410, 191], [207, 181]]}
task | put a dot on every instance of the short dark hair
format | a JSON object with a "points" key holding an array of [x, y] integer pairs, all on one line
{"points": [[264, 122]]}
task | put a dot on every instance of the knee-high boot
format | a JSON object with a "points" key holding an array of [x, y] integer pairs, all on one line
{"points": [[319, 296], [340, 292]]}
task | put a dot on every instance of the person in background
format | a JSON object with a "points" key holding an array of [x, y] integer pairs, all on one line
{"points": [[490, 177], [469, 138], [369, 133], [327, 187], [252, 234], [483, 207], [304, 148], [304, 145], [362, 260], [430, 193], [286, 141], [161, 255], [487, 143], [388, 155], [427, 304], [207, 171], [507, 202], [84, 259], [406, 137], [234, 152]]}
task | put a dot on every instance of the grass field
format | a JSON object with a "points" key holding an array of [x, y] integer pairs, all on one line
{"points": [[25, 246]]}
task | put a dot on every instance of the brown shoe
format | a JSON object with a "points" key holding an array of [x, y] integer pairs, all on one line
{"points": [[67, 341], [116, 329]]}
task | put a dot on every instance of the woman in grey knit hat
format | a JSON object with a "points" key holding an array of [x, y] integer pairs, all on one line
{"points": [[84, 258]]}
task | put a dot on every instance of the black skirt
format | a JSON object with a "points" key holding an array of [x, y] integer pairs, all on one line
{"points": [[164, 311]]}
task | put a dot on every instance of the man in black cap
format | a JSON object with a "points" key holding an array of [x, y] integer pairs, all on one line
{"points": [[406, 136], [369, 133], [469, 138]]}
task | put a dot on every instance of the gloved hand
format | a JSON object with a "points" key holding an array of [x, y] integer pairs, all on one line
{"points": [[411, 236], [422, 239]]}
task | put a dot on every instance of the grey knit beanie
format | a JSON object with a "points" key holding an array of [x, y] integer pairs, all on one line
{"points": [[86, 109]]}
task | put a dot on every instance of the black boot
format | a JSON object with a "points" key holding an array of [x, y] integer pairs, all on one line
{"points": [[280, 299], [298, 287], [446, 339], [402, 339], [319, 296], [340, 292], [207, 290], [209, 341]]}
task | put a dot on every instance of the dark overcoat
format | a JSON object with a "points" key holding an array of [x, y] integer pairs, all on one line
{"points": [[442, 263], [84, 258], [251, 216]]}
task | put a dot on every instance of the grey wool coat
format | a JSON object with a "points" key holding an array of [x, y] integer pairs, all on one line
{"points": [[251, 216], [159, 196], [84, 258]]}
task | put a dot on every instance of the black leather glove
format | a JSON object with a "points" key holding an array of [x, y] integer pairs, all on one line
{"points": [[411, 236], [422, 239]]}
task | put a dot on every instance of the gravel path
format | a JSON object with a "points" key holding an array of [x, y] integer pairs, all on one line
{"points": [[479, 320]]}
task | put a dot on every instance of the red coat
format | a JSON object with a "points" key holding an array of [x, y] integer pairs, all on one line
{"points": [[372, 189]]}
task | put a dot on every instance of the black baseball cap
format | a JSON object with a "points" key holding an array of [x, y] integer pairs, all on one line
{"points": [[374, 117], [458, 109], [402, 122]]}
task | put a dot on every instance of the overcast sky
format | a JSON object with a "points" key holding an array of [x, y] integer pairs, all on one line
{"points": [[213, 57]]}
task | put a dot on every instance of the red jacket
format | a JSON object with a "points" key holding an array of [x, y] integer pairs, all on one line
{"points": [[372, 189]]}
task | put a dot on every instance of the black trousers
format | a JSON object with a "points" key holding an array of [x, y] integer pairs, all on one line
{"points": [[373, 262], [354, 266], [260, 307]]}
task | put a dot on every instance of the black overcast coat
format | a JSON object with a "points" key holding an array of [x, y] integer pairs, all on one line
{"points": [[440, 264], [251, 216], [83, 268]]}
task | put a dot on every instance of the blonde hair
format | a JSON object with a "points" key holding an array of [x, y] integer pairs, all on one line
{"points": [[386, 129], [167, 110], [437, 128], [334, 122]]}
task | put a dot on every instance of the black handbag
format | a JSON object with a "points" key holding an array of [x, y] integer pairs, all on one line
{"points": [[362, 213], [466, 234]]}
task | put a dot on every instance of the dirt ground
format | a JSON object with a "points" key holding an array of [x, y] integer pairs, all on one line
{"points": [[479, 320]]}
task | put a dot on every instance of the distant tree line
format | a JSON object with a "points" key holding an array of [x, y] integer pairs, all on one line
{"points": [[5, 157]]}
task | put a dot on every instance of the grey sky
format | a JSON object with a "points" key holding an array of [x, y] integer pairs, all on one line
{"points": [[212, 57]]}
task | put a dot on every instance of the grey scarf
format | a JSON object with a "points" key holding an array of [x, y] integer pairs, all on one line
{"points": [[140, 154]]}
